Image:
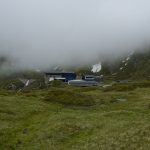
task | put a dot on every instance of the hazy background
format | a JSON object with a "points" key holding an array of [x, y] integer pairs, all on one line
{"points": [[37, 33]]}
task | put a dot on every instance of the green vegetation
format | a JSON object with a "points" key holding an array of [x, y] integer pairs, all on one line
{"points": [[127, 86], [70, 118], [69, 97], [56, 83]]}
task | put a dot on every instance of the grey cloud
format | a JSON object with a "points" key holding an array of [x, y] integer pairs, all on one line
{"points": [[41, 32]]}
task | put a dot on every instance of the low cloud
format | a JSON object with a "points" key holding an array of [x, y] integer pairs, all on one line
{"points": [[44, 33]]}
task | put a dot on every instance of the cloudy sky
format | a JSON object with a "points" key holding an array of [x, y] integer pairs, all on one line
{"points": [[40, 32]]}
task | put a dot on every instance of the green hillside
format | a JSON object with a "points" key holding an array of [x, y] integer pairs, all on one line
{"points": [[117, 118]]}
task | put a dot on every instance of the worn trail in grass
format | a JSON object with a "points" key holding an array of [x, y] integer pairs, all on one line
{"points": [[116, 120]]}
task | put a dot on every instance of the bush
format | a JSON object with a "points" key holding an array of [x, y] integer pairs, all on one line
{"points": [[85, 89], [127, 86], [119, 87], [69, 97], [7, 84], [144, 84], [4, 92], [56, 83]]}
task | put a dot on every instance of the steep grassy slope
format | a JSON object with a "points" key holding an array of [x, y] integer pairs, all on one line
{"points": [[117, 120], [136, 66]]}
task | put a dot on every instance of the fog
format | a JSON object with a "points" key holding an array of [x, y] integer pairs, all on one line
{"points": [[39, 33]]}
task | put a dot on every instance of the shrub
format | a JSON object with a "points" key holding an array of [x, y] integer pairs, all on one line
{"points": [[6, 92], [6, 84], [56, 83], [127, 86], [119, 87], [85, 89], [69, 97], [144, 84]]}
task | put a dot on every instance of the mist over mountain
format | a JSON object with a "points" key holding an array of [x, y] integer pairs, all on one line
{"points": [[41, 34], [134, 65]]}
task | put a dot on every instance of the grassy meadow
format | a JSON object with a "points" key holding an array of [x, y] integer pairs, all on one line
{"points": [[69, 118]]}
